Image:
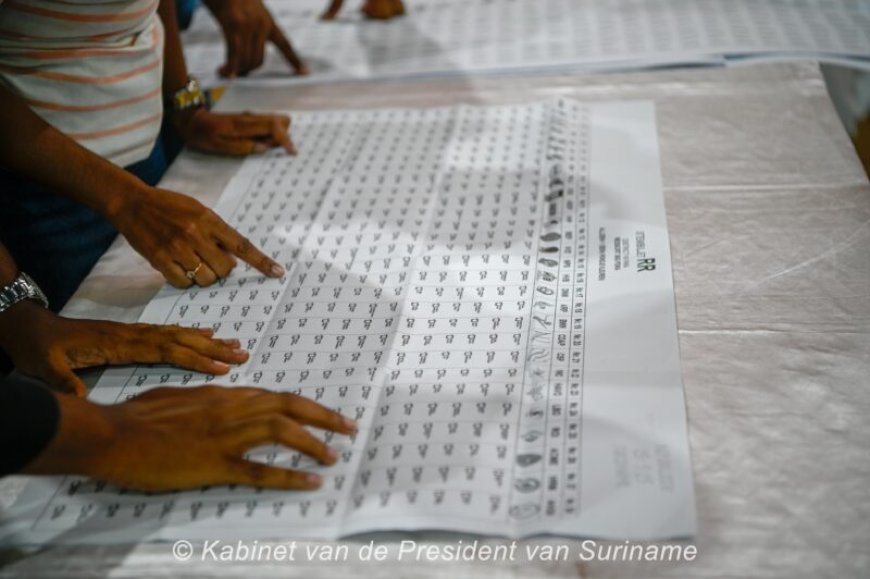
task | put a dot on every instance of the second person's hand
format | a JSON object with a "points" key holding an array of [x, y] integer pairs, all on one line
{"points": [[44, 345], [235, 134], [374, 9], [180, 438], [247, 26]]}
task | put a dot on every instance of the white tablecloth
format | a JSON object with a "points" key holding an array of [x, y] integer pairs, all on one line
{"points": [[769, 215]]}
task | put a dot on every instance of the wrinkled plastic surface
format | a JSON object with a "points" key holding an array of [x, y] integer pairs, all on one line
{"points": [[769, 217]]}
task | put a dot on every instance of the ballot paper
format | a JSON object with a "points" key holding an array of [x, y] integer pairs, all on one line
{"points": [[486, 290], [438, 37]]}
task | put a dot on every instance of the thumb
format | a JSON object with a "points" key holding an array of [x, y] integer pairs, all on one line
{"points": [[65, 380]]}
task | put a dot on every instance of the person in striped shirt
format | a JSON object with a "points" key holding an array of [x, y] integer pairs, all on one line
{"points": [[82, 90]]}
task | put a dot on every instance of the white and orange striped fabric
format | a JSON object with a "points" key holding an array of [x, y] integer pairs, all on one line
{"points": [[91, 68]]}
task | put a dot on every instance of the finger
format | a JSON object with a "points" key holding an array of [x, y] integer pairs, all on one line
{"points": [[187, 358], [281, 135], [220, 262], [282, 43], [281, 430], [236, 147], [244, 472], [65, 380], [268, 129], [195, 268], [231, 68], [229, 351], [148, 344], [299, 408], [203, 274], [256, 125], [333, 10], [309, 412], [175, 275], [238, 245]]}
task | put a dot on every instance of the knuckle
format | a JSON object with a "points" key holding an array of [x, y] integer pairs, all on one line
{"points": [[225, 269], [176, 243], [243, 246], [190, 228]]}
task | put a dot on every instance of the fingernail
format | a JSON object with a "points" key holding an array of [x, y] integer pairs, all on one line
{"points": [[313, 480], [260, 147], [349, 424], [277, 270], [240, 352], [330, 452], [221, 367]]}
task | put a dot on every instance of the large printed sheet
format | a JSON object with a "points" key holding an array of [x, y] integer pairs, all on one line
{"points": [[487, 290], [438, 37]]}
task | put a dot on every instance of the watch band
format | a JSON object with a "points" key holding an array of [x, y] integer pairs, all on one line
{"points": [[22, 288], [191, 96]]}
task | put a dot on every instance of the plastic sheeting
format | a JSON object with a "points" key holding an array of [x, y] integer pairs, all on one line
{"points": [[769, 216]]}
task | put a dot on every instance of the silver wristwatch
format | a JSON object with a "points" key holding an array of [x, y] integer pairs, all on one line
{"points": [[23, 288]]}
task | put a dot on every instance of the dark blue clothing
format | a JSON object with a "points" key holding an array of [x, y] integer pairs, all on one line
{"points": [[29, 417], [185, 10]]}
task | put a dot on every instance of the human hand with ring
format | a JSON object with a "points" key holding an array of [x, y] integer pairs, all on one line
{"points": [[183, 239]]}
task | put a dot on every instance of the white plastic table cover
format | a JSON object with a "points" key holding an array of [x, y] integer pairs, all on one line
{"points": [[769, 215]]}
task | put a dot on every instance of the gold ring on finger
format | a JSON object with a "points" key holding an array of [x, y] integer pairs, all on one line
{"points": [[191, 273]]}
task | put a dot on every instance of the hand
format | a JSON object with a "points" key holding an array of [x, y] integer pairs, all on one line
{"points": [[181, 438], [247, 25], [179, 235], [233, 133], [46, 346], [374, 9]]}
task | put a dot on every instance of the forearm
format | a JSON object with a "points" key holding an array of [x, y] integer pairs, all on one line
{"points": [[174, 67], [8, 269], [37, 151]]}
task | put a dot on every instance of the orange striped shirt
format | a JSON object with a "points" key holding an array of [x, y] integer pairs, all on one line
{"points": [[91, 68]]}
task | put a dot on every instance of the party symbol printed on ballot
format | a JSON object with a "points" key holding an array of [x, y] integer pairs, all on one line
{"points": [[526, 460]]}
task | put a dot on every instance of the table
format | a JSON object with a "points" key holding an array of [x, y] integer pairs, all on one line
{"points": [[769, 217]]}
